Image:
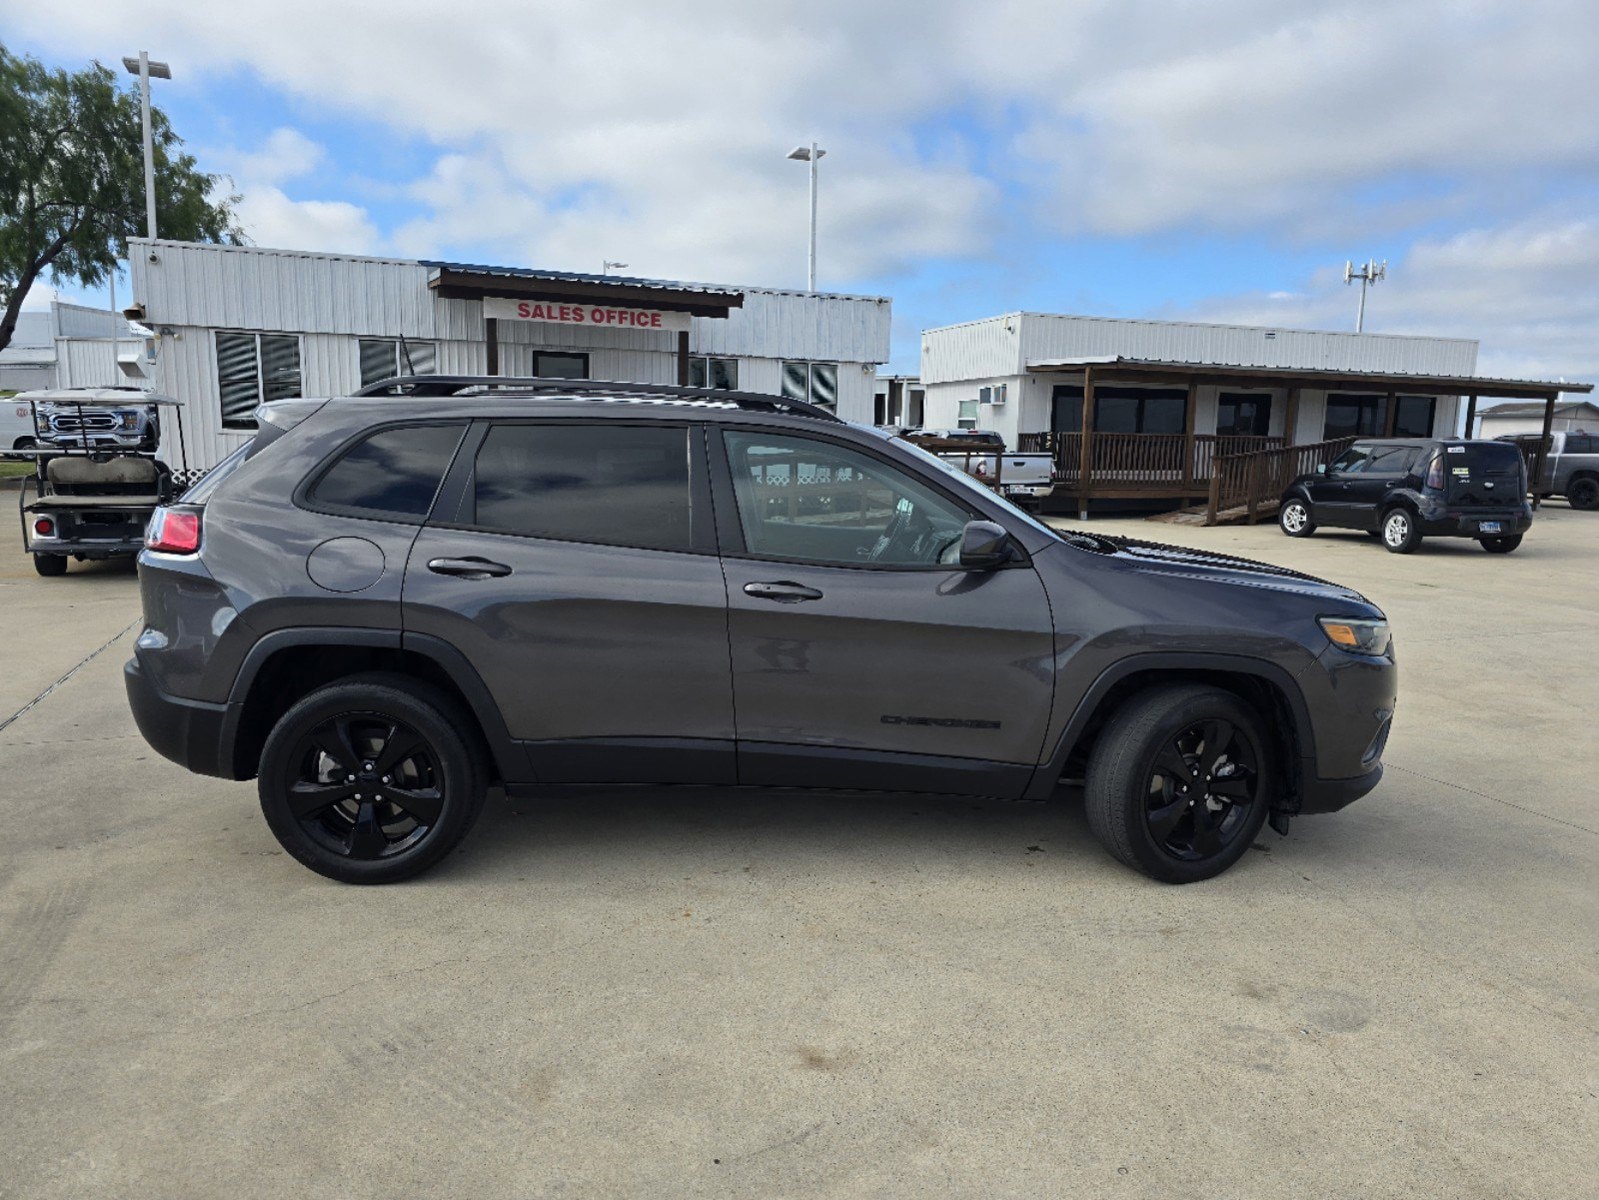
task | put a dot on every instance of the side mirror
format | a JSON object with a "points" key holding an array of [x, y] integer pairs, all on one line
{"points": [[984, 546], [1321, 468]]}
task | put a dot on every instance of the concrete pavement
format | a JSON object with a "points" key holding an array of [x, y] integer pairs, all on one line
{"points": [[695, 993]]}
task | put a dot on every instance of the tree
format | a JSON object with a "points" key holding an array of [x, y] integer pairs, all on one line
{"points": [[72, 180]]}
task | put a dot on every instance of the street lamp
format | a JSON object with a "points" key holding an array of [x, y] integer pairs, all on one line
{"points": [[144, 69], [813, 155]]}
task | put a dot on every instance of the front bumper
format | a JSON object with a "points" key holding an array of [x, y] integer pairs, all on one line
{"points": [[1330, 795], [189, 732]]}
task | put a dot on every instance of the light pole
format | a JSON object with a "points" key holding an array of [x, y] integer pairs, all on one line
{"points": [[810, 154], [144, 69], [607, 265], [1368, 274]]}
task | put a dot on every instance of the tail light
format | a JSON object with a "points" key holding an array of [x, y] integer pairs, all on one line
{"points": [[1435, 473], [44, 526], [173, 531]]}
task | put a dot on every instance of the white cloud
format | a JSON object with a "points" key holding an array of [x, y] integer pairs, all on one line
{"points": [[1528, 291], [270, 217]]}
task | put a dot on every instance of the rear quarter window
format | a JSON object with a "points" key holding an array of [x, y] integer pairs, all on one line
{"points": [[393, 474]]}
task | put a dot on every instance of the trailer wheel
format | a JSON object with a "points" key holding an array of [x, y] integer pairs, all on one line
{"points": [[50, 565]]}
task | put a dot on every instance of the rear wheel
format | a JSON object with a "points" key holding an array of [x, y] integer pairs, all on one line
{"points": [[371, 780], [1180, 782], [50, 565], [1293, 518], [1501, 545], [1583, 493], [1399, 532]]}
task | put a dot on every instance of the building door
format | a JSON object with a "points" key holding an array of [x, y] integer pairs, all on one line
{"points": [[861, 658], [1243, 414]]}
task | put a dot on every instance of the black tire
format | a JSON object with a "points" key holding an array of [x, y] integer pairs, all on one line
{"points": [[24, 443], [1398, 531], [50, 565], [1583, 493], [1294, 518], [1501, 545], [393, 832], [1137, 800]]}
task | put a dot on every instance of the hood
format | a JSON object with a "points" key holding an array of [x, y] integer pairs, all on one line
{"points": [[1206, 566]]}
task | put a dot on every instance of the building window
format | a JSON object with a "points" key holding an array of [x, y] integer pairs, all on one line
{"points": [[1414, 418], [1354, 416], [253, 368], [384, 358], [719, 373], [968, 415], [1120, 409], [561, 366], [1240, 414], [813, 381]]}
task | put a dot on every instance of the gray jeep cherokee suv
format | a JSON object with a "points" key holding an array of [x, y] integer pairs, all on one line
{"points": [[388, 603]]}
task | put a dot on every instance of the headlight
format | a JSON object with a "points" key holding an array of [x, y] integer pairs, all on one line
{"points": [[1356, 635], [130, 420]]}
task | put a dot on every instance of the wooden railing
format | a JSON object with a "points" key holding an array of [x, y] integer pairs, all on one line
{"points": [[1148, 464], [1256, 479]]}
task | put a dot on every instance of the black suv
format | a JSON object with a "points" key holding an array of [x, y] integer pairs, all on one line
{"points": [[386, 604], [1405, 489]]}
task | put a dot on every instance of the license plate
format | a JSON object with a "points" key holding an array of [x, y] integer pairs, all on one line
{"points": [[1490, 527]]}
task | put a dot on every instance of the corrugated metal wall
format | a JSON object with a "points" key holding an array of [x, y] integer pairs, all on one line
{"points": [[975, 350], [1047, 336], [85, 363], [80, 321]]}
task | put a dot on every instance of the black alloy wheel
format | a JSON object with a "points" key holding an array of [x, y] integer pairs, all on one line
{"points": [[1583, 493], [368, 786], [1202, 788], [1180, 782], [372, 779]]}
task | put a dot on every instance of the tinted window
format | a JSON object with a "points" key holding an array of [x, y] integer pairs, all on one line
{"points": [[1350, 461], [617, 484], [1413, 417], [814, 501], [1581, 443], [1391, 460], [394, 472]]}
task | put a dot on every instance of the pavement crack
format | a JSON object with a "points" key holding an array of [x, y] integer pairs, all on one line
{"points": [[1532, 812], [85, 661]]}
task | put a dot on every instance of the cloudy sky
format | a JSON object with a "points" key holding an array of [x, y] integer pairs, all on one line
{"points": [[1218, 159]]}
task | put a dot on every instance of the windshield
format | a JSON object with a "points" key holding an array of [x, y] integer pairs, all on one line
{"points": [[967, 484]]}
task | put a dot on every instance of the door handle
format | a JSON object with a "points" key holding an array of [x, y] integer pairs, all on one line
{"points": [[783, 591], [468, 568]]}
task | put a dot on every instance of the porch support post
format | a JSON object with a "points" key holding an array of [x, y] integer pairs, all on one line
{"points": [[1471, 412], [1188, 439], [1085, 460], [1543, 449], [491, 340], [682, 358], [1391, 417], [1291, 417]]}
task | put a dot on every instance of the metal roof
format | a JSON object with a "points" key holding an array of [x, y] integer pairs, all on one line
{"points": [[1533, 410], [1451, 384], [579, 277], [468, 281]]}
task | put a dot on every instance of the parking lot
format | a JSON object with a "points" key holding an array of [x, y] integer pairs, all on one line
{"points": [[739, 993]]}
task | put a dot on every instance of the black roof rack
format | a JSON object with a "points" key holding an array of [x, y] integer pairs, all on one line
{"points": [[464, 385]]}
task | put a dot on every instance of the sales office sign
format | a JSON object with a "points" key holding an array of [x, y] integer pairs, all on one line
{"points": [[588, 316]]}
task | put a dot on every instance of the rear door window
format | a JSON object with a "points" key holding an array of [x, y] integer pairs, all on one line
{"points": [[614, 484], [393, 474], [1391, 460]]}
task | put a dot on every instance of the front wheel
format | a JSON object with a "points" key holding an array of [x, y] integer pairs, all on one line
{"points": [[1583, 493], [1399, 533], [371, 780], [1293, 518], [1501, 545], [1180, 782], [50, 565]]}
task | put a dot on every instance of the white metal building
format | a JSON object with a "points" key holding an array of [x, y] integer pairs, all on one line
{"points": [[1024, 373], [1528, 418], [65, 345], [238, 325]]}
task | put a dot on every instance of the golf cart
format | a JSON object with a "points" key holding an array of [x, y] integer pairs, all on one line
{"points": [[91, 496]]}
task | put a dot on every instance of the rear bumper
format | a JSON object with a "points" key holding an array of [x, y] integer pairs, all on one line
{"points": [[1455, 522], [189, 732]]}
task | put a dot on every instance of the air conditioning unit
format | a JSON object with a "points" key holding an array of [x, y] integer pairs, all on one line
{"points": [[992, 395]]}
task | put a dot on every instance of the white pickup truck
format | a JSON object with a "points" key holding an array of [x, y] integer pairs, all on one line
{"points": [[1022, 477]]}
